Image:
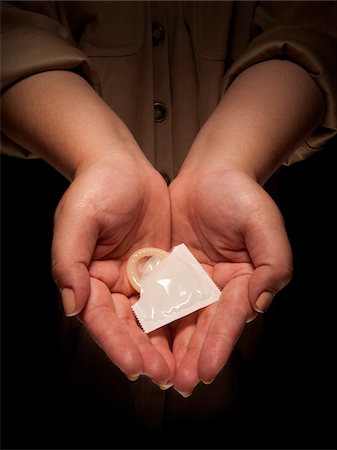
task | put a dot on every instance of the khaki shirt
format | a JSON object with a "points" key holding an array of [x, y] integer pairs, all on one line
{"points": [[163, 66]]}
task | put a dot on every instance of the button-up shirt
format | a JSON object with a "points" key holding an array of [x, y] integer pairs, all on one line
{"points": [[163, 66]]}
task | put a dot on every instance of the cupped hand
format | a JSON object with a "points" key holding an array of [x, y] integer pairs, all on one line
{"points": [[111, 209], [237, 233]]}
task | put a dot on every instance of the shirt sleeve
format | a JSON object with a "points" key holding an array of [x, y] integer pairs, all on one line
{"points": [[33, 40], [304, 33]]}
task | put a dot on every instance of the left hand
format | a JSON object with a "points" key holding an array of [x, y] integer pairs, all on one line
{"points": [[111, 209], [237, 233]]}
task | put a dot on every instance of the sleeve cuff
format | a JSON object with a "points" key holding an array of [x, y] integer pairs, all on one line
{"points": [[32, 43], [314, 51]]}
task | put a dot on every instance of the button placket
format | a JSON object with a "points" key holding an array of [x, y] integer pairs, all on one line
{"points": [[158, 37], [162, 89]]}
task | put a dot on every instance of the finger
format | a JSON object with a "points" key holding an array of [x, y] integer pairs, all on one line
{"points": [[73, 244], [182, 330], [270, 251], [233, 309], [154, 363], [160, 339], [100, 318], [187, 374], [112, 273]]}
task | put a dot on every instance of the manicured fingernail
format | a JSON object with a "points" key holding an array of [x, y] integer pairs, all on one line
{"points": [[68, 300], [263, 302], [252, 317], [185, 394], [132, 377], [164, 387], [208, 382]]}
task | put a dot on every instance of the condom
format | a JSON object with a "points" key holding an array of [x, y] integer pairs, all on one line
{"points": [[172, 285]]}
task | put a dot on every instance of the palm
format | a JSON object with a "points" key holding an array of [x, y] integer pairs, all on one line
{"points": [[115, 217], [221, 218]]}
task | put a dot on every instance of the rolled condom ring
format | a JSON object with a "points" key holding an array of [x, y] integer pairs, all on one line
{"points": [[134, 260]]}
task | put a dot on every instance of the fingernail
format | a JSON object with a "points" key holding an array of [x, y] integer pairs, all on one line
{"points": [[164, 387], [208, 382], [132, 377], [263, 302], [68, 300], [252, 317], [185, 394]]}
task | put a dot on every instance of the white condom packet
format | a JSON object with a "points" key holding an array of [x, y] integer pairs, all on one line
{"points": [[172, 288]]}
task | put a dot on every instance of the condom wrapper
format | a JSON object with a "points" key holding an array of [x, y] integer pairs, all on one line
{"points": [[172, 288]]}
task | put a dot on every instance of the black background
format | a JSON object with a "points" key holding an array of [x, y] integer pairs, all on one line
{"points": [[289, 399]]}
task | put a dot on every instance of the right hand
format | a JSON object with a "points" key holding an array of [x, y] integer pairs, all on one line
{"points": [[237, 233], [113, 207]]}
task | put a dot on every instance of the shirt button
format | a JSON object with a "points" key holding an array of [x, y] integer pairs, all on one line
{"points": [[158, 34], [159, 112]]}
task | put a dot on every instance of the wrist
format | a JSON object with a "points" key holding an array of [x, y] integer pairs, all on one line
{"points": [[131, 177], [269, 110], [217, 160], [57, 116], [126, 155]]}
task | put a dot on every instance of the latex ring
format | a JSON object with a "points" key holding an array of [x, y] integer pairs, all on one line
{"points": [[133, 263]]}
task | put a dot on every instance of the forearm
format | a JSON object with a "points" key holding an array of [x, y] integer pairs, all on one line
{"points": [[267, 112], [59, 117]]}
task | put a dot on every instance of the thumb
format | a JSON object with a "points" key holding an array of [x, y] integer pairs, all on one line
{"points": [[265, 282], [74, 241], [271, 255]]}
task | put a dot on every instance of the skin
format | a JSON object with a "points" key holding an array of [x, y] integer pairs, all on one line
{"points": [[110, 239], [230, 223], [102, 218], [216, 205]]}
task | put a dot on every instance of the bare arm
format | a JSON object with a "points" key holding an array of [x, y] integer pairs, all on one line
{"points": [[115, 204], [59, 117], [269, 110], [228, 220]]}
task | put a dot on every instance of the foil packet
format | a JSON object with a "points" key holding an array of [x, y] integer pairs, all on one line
{"points": [[172, 287]]}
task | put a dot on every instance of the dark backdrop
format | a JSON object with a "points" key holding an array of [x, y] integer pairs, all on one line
{"points": [[289, 398]]}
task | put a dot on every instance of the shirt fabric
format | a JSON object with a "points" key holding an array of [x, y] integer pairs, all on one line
{"points": [[163, 66]]}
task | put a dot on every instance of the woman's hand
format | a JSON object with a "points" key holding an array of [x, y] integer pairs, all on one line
{"points": [[118, 203], [226, 218], [112, 208], [237, 233], [115, 204]]}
